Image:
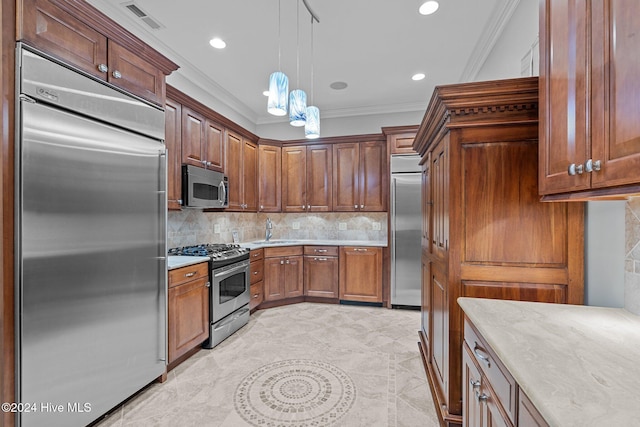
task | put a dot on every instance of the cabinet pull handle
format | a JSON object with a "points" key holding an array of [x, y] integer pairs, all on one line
{"points": [[117, 74], [320, 251], [481, 354], [591, 166], [481, 397], [575, 169], [103, 68], [255, 272], [361, 250], [193, 273], [256, 295], [320, 259]]}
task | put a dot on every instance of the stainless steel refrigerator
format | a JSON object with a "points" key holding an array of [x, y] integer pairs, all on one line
{"points": [[406, 227], [90, 244]]}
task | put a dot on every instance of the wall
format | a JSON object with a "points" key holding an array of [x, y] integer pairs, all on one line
{"points": [[632, 259], [191, 227], [515, 41]]}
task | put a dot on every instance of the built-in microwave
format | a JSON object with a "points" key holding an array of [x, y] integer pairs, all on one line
{"points": [[204, 188]]}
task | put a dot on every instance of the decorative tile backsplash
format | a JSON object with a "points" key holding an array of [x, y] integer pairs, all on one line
{"points": [[632, 258], [191, 227]]}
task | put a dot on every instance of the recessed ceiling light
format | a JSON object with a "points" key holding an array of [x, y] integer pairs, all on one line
{"points": [[338, 85], [428, 7], [265, 93], [218, 43], [418, 76]]}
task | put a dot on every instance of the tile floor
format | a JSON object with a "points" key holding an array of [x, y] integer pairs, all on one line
{"points": [[298, 365]]}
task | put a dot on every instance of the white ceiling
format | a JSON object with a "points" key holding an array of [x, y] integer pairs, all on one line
{"points": [[373, 45]]}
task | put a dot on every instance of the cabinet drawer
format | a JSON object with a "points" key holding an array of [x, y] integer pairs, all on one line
{"points": [[501, 381], [257, 294], [257, 271], [256, 254], [282, 251], [188, 273], [321, 250]]}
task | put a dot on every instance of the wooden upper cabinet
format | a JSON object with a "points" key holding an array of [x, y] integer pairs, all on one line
{"points": [[294, 172], [202, 141], [402, 143], [589, 134], [78, 34], [60, 34], [373, 188], [241, 166], [306, 178], [130, 72], [172, 139], [359, 174], [269, 178], [346, 176]]}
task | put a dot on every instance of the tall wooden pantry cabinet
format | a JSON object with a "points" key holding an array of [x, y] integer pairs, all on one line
{"points": [[486, 232]]}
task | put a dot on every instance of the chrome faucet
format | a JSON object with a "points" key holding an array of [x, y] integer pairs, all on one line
{"points": [[268, 233]]}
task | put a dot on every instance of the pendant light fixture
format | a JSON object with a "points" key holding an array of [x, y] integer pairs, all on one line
{"points": [[278, 83], [297, 98], [312, 124]]}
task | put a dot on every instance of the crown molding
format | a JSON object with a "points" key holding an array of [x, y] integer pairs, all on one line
{"points": [[500, 17]]}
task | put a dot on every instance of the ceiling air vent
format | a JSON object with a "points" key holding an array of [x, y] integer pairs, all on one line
{"points": [[142, 15]]}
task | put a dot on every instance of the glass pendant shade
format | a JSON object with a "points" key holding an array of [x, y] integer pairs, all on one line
{"points": [[297, 108], [278, 94], [312, 125]]}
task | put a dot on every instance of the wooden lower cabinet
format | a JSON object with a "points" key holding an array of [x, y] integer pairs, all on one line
{"points": [[188, 311], [283, 271], [256, 270], [486, 233], [361, 274], [257, 295], [491, 396], [321, 273]]}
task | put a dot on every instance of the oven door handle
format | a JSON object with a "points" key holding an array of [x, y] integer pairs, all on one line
{"points": [[231, 271]]}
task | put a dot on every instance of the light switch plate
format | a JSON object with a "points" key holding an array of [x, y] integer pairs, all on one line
{"points": [[216, 228], [376, 226], [235, 237], [295, 226], [342, 226]]}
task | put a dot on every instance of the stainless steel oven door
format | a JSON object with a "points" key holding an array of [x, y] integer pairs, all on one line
{"points": [[230, 289]]}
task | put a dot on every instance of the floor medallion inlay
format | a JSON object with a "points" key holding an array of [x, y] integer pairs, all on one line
{"points": [[295, 392]]}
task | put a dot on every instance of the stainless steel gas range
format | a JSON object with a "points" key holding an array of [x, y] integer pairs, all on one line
{"points": [[229, 294]]}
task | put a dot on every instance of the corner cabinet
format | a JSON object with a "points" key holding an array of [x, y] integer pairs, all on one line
{"points": [[78, 34], [485, 232], [589, 91], [360, 177], [283, 273]]}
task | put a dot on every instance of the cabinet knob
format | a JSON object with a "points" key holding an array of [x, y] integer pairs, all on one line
{"points": [[208, 285], [481, 397], [302, 207], [116, 74], [256, 295], [261, 206], [255, 272], [281, 261], [180, 202], [355, 206], [361, 206], [575, 169], [288, 262], [103, 68], [209, 164], [591, 166]]}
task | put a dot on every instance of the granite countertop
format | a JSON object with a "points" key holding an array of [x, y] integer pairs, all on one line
{"points": [[294, 242], [174, 261], [579, 365]]}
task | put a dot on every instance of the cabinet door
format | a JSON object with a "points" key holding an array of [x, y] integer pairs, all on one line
{"points": [[426, 204], [471, 383], [491, 414], [346, 177], [172, 139], [402, 143], [321, 276], [57, 32], [294, 166], [213, 148], [425, 309], [250, 174], [269, 178], [188, 317], [439, 327], [528, 415], [373, 191], [274, 279], [233, 168], [360, 274], [319, 176], [564, 94], [293, 273], [193, 136], [439, 219], [615, 137], [136, 75]]}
